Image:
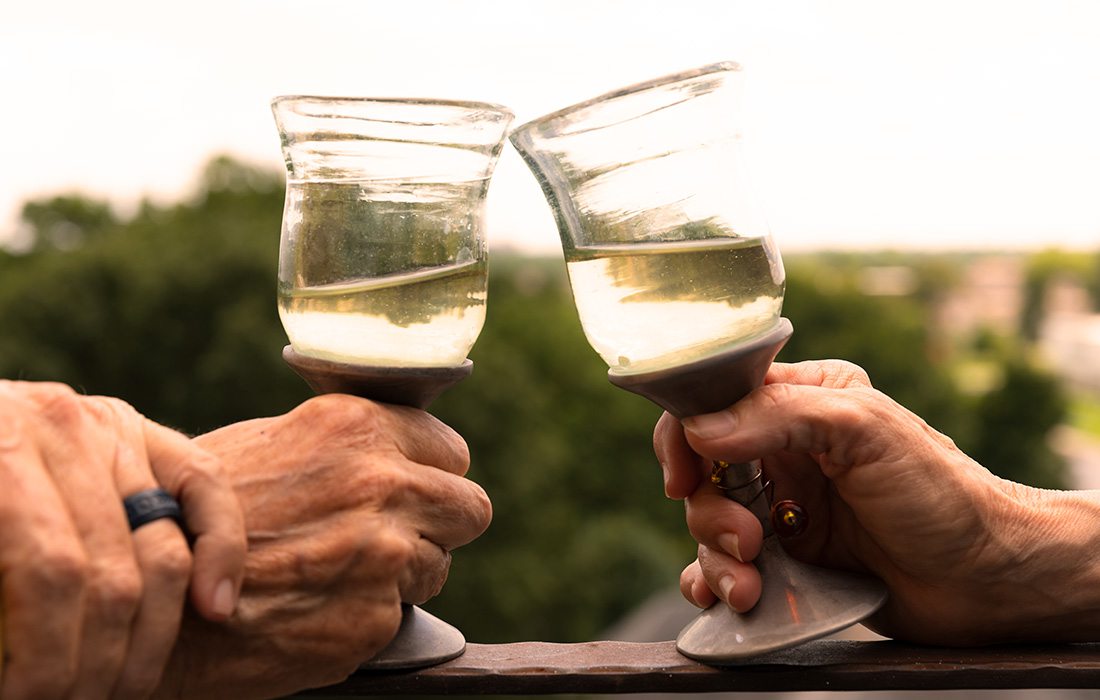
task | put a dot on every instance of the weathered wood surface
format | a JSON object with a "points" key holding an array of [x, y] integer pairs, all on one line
{"points": [[628, 667]]}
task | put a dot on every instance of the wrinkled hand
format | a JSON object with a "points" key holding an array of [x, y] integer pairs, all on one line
{"points": [[89, 606], [967, 557], [351, 508]]}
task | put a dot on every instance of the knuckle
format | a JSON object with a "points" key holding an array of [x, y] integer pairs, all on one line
{"points": [[170, 562], [424, 579], [199, 469], [443, 570], [865, 402], [388, 618], [58, 403], [166, 561], [110, 405], [379, 562], [701, 523], [695, 529], [849, 412], [483, 508], [391, 554], [110, 408], [710, 561], [116, 589], [64, 569], [339, 411], [381, 483], [461, 451], [775, 396], [207, 465], [849, 373]]}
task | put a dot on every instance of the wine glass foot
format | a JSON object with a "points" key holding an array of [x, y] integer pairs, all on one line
{"points": [[798, 603], [422, 640], [407, 386]]}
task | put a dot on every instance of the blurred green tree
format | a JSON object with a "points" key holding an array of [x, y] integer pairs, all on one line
{"points": [[65, 222], [173, 309], [1047, 266], [581, 531], [1013, 422], [889, 336]]}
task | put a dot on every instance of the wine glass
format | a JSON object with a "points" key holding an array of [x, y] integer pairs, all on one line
{"points": [[383, 263], [679, 287]]}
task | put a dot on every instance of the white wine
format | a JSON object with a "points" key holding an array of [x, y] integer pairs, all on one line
{"points": [[647, 306], [383, 273], [428, 318]]}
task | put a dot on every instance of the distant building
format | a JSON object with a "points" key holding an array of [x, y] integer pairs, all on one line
{"points": [[989, 296], [1069, 336]]}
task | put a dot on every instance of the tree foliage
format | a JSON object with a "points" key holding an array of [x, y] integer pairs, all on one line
{"points": [[173, 309], [1048, 266]]}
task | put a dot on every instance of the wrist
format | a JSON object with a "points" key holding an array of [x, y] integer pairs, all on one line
{"points": [[1048, 586]]}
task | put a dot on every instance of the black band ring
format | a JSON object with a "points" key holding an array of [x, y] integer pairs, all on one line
{"points": [[146, 506]]}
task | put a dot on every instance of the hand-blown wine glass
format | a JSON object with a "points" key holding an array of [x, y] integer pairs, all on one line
{"points": [[680, 289], [382, 263]]}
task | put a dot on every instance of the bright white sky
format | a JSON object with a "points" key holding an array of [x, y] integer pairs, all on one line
{"points": [[932, 124]]}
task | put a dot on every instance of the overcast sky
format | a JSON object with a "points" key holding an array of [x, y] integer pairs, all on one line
{"points": [[932, 124]]}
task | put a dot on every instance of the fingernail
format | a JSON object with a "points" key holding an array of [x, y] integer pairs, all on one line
{"points": [[725, 585], [664, 471], [696, 599], [730, 543], [224, 598], [710, 425]]}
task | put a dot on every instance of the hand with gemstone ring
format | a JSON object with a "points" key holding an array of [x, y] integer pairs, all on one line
{"points": [[968, 557], [90, 606]]}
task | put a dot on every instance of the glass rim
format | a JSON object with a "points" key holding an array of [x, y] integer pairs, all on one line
{"points": [[419, 101], [719, 67]]}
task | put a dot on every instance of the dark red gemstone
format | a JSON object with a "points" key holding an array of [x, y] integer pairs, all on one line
{"points": [[789, 519]]}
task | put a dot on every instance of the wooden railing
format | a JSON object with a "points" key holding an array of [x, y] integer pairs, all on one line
{"points": [[632, 667]]}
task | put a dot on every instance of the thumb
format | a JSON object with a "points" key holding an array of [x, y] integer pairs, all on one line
{"points": [[682, 469], [844, 426]]}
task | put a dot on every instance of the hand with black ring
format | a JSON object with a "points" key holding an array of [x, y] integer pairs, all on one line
{"points": [[968, 557], [352, 508], [90, 608]]}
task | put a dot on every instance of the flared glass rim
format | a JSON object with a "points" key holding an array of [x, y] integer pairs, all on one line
{"points": [[720, 67], [426, 101]]}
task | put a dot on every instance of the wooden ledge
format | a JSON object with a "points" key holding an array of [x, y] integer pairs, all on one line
{"points": [[631, 667]]}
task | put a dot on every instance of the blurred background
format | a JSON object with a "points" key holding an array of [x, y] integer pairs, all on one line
{"points": [[931, 172]]}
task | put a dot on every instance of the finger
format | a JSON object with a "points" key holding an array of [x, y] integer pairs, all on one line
{"points": [[682, 468], [735, 583], [212, 513], [79, 445], [350, 420], [448, 510], [694, 587], [165, 562], [835, 374], [844, 427], [162, 557], [426, 573], [424, 439], [43, 570], [722, 524]]}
